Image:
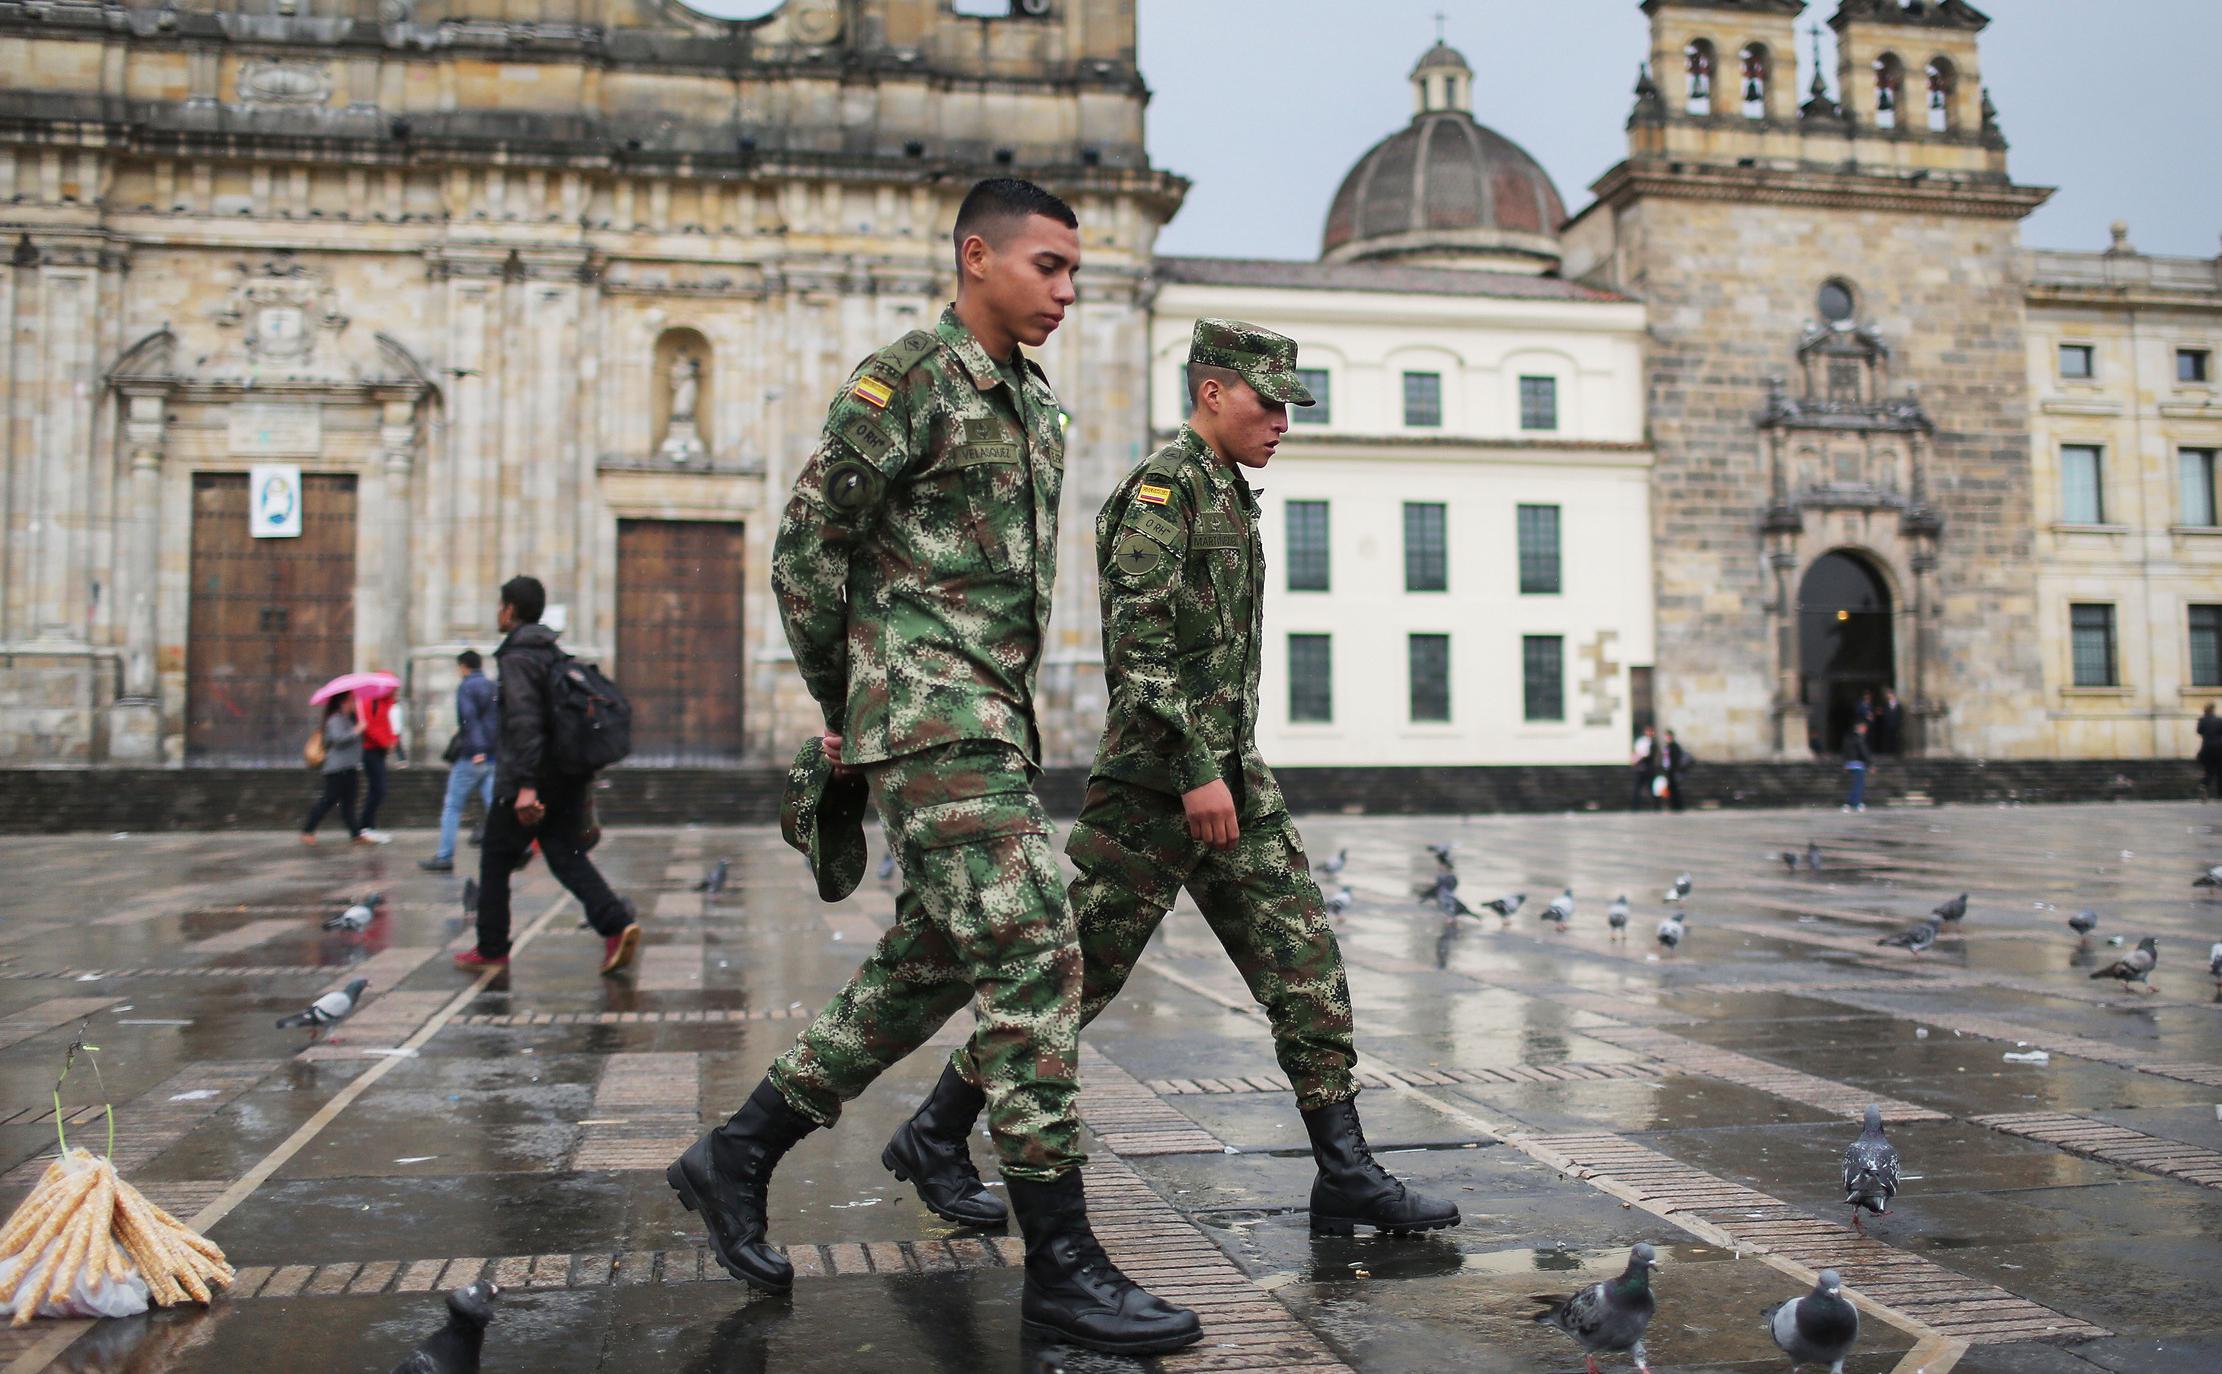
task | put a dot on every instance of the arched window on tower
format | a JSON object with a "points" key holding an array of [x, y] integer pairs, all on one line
{"points": [[1757, 77], [1703, 68], [1942, 80], [1890, 90]]}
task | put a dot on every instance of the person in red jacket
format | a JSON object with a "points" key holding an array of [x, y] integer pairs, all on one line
{"points": [[379, 739]]}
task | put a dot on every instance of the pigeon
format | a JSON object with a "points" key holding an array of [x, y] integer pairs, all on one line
{"points": [[1561, 909], [2084, 922], [1789, 859], [1446, 901], [2214, 963], [713, 882], [1671, 931], [1680, 889], [1870, 1171], [1433, 889], [1951, 912], [1818, 1328], [1441, 853], [1616, 915], [887, 866], [2211, 878], [1504, 906], [1334, 866], [1339, 901], [453, 1349], [358, 915], [1813, 855], [470, 896], [2135, 969], [1608, 1317], [1918, 939], [326, 1011]]}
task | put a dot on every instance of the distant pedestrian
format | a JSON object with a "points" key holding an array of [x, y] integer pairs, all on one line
{"points": [[1674, 765], [1643, 762], [470, 757], [1858, 759], [1892, 718], [379, 740], [342, 769], [533, 800], [2210, 753]]}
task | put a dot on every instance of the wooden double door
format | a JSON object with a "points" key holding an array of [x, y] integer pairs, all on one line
{"points": [[269, 620], [679, 644]]}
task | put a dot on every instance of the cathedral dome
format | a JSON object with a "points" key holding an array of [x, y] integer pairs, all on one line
{"points": [[1446, 190]]}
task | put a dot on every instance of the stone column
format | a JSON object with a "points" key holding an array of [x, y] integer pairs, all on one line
{"points": [[134, 718], [397, 442], [1782, 560], [1926, 717]]}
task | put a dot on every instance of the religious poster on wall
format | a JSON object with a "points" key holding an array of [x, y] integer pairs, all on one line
{"points": [[274, 505]]}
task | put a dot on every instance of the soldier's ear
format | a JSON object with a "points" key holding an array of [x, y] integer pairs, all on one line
{"points": [[972, 257]]}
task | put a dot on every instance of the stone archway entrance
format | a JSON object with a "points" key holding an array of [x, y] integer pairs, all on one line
{"points": [[1846, 644]]}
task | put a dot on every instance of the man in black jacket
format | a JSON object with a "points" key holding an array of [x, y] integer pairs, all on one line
{"points": [[533, 800]]}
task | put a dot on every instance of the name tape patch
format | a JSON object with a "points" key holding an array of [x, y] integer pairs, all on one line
{"points": [[1153, 495], [875, 394]]}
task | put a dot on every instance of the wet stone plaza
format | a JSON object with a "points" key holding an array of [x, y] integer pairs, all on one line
{"points": [[1573, 1093]]}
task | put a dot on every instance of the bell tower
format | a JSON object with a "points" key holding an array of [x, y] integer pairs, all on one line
{"points": [[1837, 376]]}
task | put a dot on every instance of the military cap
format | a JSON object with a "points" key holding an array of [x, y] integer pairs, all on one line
{"points": [[1264, 359], [822, 814]]}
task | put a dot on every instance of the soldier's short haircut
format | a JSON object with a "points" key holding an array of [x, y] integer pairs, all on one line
{"points": [[995, 206], [527, 596], [1199, 373]]}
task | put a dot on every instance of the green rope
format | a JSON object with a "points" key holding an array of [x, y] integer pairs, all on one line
{"points": [[69, 1061]]}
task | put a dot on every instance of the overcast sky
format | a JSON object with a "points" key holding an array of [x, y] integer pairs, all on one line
{"points": [[1265, 104]]}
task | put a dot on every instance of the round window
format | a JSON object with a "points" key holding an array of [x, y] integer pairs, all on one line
{"points": [[1836, 302]]}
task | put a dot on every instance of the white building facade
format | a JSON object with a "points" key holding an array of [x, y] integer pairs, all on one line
{"points": [[1458, 537]]}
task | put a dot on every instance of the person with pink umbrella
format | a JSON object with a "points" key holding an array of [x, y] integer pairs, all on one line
{"points": [[340, 761]]}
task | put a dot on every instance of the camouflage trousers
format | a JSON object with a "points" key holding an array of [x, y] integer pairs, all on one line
{"points": [[1134, 854], [982, 913]]}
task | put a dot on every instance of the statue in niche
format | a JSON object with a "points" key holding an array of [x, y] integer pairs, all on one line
{"points": [[682, 439]]}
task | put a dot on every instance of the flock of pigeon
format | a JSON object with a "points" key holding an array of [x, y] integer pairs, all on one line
{"points": [[1441, 893]]}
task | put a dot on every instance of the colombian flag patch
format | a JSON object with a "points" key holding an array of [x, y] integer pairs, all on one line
{"points": [[1153, 495], [875, 394]]}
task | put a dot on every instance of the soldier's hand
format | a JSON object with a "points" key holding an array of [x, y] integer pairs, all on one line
{"points": [[1210, 811], [832, 744]]}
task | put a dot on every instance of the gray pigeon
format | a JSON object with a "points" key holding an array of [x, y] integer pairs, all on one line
{"points": [[1616, 915], [1334, 865], [1561, 909], [2135, 969], [1671, 931], [2214, 963], [1446, 901], [1680, 889], [713, 882], [1339, 901], [1951, 912], [887, 866], [470, 896], [1441, 853], [1609, 1317], [1789, 859], [2084, 922], [453, 1349], [2211, 878], [1504, 906], [326, 1011], [359, 914], [1813, 855], [1870, 1171], [1918, 939], [1433, 889], [1818, 1328]]}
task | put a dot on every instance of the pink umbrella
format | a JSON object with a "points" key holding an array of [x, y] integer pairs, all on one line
{"points": [[369, 686]]}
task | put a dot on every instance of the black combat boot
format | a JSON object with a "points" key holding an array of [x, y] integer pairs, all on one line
{"points": [[1352, 1190], [1073, 1292], [929, 1151], [724, 1176]]}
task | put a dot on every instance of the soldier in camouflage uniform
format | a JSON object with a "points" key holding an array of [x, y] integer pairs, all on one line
{"points": [[913, 570]]}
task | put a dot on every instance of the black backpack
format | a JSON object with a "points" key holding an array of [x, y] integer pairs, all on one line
{"points": [[590, 724]]}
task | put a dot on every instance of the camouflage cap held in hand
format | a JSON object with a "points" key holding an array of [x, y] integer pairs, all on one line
{"points": [[1264, 359], [822, 814]]}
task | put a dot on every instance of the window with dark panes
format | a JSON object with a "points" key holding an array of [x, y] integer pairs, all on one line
{"points": [[1307, 546], [1429, 659], [1311, 679], [2091, 638], [1423, 400], [2206, 646], [2195, 480], [2077, 361], [1322, 409], [1543, 676], [1426, 555], [2082, 495], [1538, 550], [1539, 403], [2193, 365]]}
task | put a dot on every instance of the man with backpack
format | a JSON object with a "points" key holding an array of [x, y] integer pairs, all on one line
{"points": [[543, 779]]}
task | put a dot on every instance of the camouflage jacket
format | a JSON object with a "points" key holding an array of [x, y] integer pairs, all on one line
{"points": [[914, 560], [1183, 577]]}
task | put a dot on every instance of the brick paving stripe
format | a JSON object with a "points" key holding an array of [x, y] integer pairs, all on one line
{"points": [[2095, 1139], [1707, 1061], [647, 1110], [19, 1026], [1130, 1118]]}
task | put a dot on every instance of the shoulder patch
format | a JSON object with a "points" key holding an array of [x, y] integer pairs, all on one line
{"points": [[873, 392], [1136, 556], [1149, 493], [910, 350]]}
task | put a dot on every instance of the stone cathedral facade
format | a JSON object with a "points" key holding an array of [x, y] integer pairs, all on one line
{"points": [[459, 289]]}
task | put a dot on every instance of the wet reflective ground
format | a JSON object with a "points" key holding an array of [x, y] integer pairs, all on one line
{"points": [[1574, 1093]]}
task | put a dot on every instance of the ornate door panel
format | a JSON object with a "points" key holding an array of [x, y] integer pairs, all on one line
{"points": [[679, 652]]}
